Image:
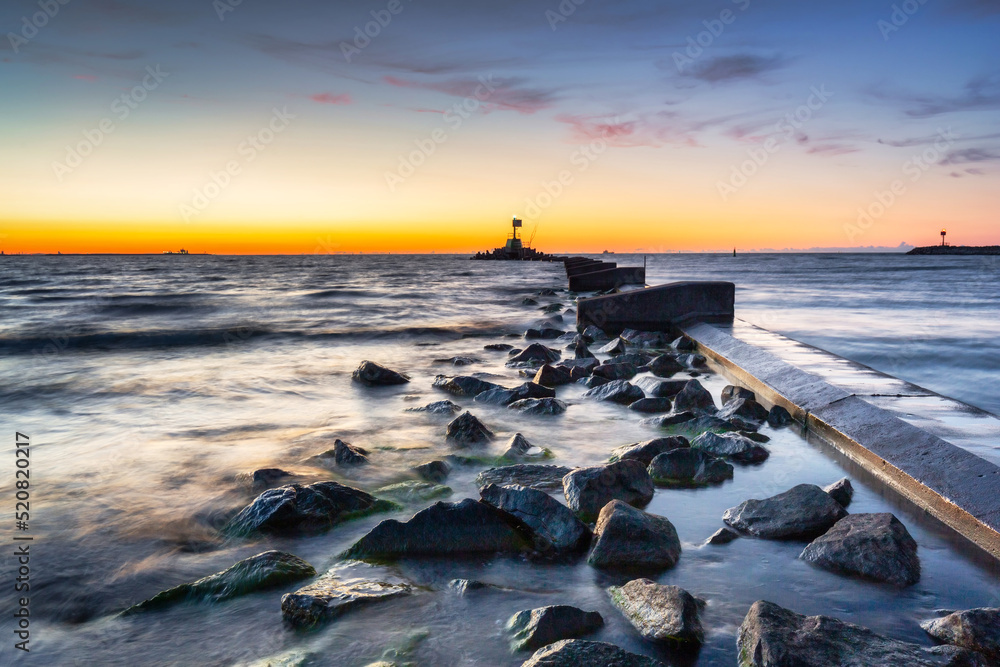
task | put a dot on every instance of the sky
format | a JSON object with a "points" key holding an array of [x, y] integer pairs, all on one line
{"points": [[245, 126]]}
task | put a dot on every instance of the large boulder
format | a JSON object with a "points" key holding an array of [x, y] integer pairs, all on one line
{"points": [[535, 354], [616, 371], [688, 468], [532, 629], [871, 546], [260, 572], [628, 538], [842, 491], [335, 594], [297, 509], [647, 450], [694, 397], [657, 388], [553, 527], [533, 475], [464, 385], [803, 512], [975, 629], [665, 366], [372, 374], [442, 529], [583, 653], [504, 396], [732, 446], [660, 613], [539, 406], [553, 376], [772, 636], [616, 391], [587, 490], [467, 430]]}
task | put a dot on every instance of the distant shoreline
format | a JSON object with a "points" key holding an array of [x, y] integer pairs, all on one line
{"points": [[956, 250]]}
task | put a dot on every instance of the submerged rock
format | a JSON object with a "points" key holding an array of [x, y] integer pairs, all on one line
{"points": [[778, 417], [842, 491], [628, 538], [647, 450], [433, 471], [464, 587], [724, 535], [504, 396], [616, 371], [532, 629], [689, 468], [657, 388], [262, 478], [464, 385], [694, 397], [539, 406], [803, 512], [732, 446], [651, 405], [583, 653], [533, 475], [298, 509], [729, 392], [498, 347], [442, 529], [265, 570], [587, 490], [974, 629], [553, 376], [536, 353], [544, 333], [373, 374], [346, 454], [466, 430], [553, 527], [438, 408], [660, 613], [412, 491], [772, 636], [872, 546], [459, 361], [616, 391], [333, 595]]}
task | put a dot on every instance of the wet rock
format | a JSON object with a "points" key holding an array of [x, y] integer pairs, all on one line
{"points": [[756, 437], [536, 353], [464, 587], [645, 338], [553, 376], [533, 475], [694, 397], [548, 291], [628, 538], [433, 471], [528, 301], [657, 388], [665, 366], [498, 347], [871, 546], [615, 371], [647, 450], [587, 365], [616, 391], [651, 405], [772, 636], [842, 491], [617, 346], [689, 468], [464, 385], [660, 613], [514, 351], [683, 344], [693, 360], [593, 381], [583, 653], [346, 454], [732, 446], [260, 572], [334, 594], [587, 490], [552, 308], [778, 417], [634, 358], [519, 447], [532, 629], [744, 410], [413, 491], [373, 374], [581, 351], [552, 526], [803, 512], [442, 529], [539, 406], [503, 396], [593, 334], [545, 333], [467, 430], [459, 361], [730, 392], [722, 536], [974, 629], [309, 509], [262, 478], [438, 408]]}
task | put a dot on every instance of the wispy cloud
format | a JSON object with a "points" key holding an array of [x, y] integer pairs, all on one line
{"points": [[331, 98], [735, 68], [494, 93]]}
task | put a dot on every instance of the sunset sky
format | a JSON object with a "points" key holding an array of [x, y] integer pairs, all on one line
{"points": [[253, 127]]}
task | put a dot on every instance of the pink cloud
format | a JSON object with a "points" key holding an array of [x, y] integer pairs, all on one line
{"points": [[330, 98], [491, 92], [85, 77]]}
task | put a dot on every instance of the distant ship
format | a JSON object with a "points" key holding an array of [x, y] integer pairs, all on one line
{"points": [[608, 252], [182, 251]]}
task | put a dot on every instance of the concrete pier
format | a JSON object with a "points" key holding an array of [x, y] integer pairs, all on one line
{"points": [[659, 308]]}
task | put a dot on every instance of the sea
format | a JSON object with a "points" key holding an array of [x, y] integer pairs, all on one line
{"points": [[148, 384]]}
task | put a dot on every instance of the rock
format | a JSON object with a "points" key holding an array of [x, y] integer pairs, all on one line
{"points": [[459, 361], [842, 491], [647, 450], [756, 437], [503, 396], [634, 358], [545, 333], [745, 409], [657, 388], [373, 374], [464, 385], [539, 406], [615, 347], [689, 468], [532, 629], [665, 366], [433, 471], [593, 381], [673, 419], [724, 535], [553, 376], [583, 653], [651, 405], [871, 546], [262, 478], [803, 512], [616, 371], [645, 338], [778, 417], [552, 308], [514, 351], [442, 529], [438, 408], [466, 430], [660, 613], [587, 365], [464, 587], [772, 636], [732, 446], [528, 301], [580, 350], [518, 446], [498, 347], [552, 526], [548, 291], [260, 572], [309, 509], [694, 397], [536, 354], [587, 490], [413, 491], [683, 343], [974, 629], [616, 391], [333, 595], [628, 538], [533, 475], [729, 392], [346, 454], [593, 334]]}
